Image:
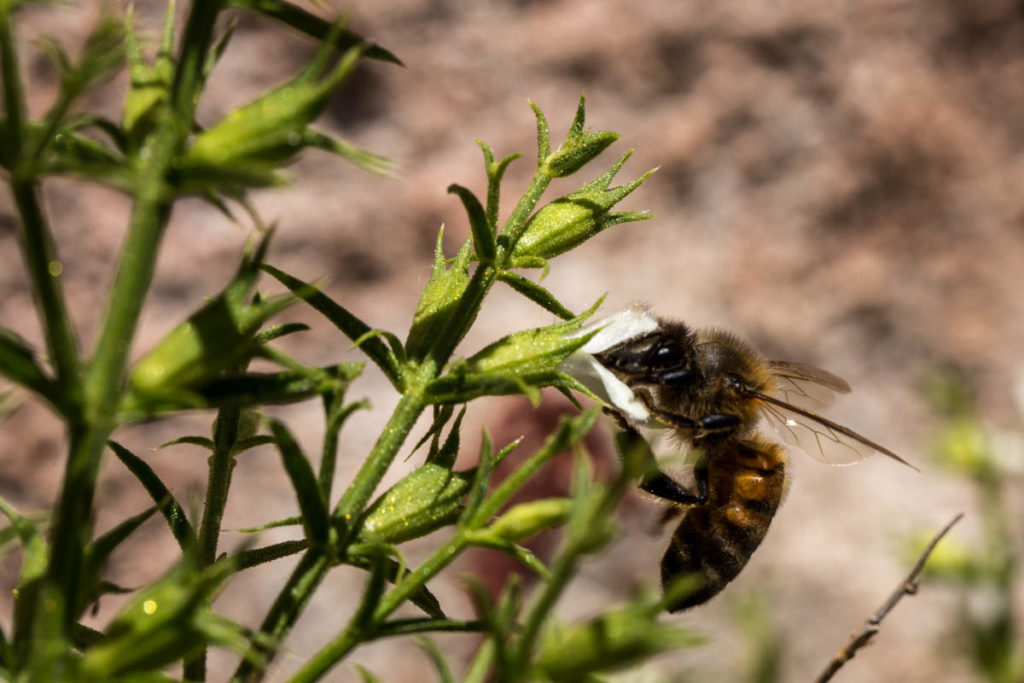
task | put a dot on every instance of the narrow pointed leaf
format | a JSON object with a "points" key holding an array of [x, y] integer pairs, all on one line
{"points": [[313, 26], [17, 363], [444, 672], [99, 551], [315, 517], [537, 294], [445, 456], [353, 327], [168, 506], [361, 555], [483, 233]]}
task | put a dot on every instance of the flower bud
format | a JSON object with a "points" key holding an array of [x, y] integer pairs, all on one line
{"points": [[526, 519], [569, 221]]}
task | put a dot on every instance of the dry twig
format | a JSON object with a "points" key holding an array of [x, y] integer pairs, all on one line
{"points": [[908, 587]]}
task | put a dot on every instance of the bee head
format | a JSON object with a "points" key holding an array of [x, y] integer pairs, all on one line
{"points": [[665, 356]]}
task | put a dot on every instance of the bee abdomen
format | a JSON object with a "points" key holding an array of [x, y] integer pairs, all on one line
{"points": [[715, 541]]}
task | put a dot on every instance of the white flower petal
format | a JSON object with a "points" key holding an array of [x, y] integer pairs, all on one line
{"points": [[618, 327]]}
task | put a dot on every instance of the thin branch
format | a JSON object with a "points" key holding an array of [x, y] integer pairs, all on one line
{"points": [[907, 587]]}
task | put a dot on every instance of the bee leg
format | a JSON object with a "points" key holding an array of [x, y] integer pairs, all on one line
{"points": [[619, 418], [718, 423], [659, 484]]}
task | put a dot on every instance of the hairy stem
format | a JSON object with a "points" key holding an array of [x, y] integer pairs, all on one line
{"points": [[103, 382]]}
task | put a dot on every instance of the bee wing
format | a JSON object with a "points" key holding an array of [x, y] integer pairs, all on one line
{"points": [[806, 386], [818, 436]]}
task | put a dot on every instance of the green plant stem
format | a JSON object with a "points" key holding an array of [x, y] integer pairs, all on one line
{"points": [[39, 250], [44, 269], [102, 387], [356, 633], [222, 462], [285, 610], [310, 572], [315, 563], [564, 568], [404, 417]]}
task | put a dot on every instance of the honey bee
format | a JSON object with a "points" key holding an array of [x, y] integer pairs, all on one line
{"points": [[712, 390]]}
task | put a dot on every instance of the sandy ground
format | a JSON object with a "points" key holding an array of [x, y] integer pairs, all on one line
{"points": [[839, 183]]}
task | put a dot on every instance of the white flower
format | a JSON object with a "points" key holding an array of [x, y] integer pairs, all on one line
{"points": [[616, 328]]}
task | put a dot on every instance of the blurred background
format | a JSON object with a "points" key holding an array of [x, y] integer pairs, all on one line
{"points": [[841, 184]]}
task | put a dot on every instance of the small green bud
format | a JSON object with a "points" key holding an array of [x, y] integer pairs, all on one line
{"points": [[572, 157], [423, 501], [580, 146], [612, 640], [213, 339], [149, 85], [527, 519], [274, 127], [537, 350], [569, 221], [168, 621]]}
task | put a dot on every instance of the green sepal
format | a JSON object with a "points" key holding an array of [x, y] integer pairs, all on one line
{"points": [[364, 159], [458, 386], [439, 300], [275, 388], [436, 656], [253, 557], [360, 555], [315, 517], [68, 153], [444, 455], [366, 675], [100, 57], [276, 524], [274, 128], [543, 135], [495, 173], [484, 243], [181, 529], [191, 440], [527, 519], [521, 362]]}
